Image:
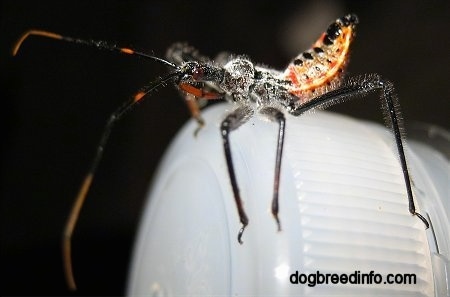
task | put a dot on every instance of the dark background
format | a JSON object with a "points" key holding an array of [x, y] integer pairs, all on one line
{"points": [[57, 96]]}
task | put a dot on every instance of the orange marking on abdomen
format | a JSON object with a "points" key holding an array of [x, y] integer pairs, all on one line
{"points": [[292, 76], [324, 68]]}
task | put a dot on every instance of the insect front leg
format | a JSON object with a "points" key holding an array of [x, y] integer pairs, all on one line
{"points": [[180, 53], [233, 121], [191, 95], [361, 86], [194, 109], [276, 115]]}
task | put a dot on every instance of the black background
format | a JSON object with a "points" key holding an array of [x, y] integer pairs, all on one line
{"points": [[57, 96]]}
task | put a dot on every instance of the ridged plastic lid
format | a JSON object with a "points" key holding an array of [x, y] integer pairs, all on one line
{"points": [[343, 210]]}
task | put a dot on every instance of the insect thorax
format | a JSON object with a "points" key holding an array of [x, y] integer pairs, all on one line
{"points": [[257, 86]]}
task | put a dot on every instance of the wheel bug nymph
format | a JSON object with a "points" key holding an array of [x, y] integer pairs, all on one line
{"points": [[313, 79]]}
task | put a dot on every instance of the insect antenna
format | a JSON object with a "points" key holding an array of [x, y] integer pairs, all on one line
{"points": [[117, 115], [97, 44], [87, 181]]}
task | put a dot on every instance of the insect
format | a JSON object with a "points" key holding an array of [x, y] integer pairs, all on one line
{"points": [[313, 79]]}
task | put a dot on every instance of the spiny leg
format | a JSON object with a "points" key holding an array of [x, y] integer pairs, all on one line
{"points": [[233, 121], [276, 115], [361, 86]]}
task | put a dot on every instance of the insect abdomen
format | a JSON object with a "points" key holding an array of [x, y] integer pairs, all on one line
{"points": [[320, 68]]}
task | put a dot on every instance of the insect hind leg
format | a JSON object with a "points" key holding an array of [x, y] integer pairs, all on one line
{"points": [[359, 87], [276, 115]]}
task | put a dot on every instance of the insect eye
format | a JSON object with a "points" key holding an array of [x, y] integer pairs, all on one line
{"points": [[197, 74]]}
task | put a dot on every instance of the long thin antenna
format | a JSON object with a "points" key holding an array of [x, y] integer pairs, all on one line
{"points": [[93, 43], [86, 184], [118, 114]]}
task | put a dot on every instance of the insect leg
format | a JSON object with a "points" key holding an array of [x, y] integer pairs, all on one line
{"points": [[180, 53], [233, 121], [194, 109], [191, 96], [276, 115], [361, 86]]}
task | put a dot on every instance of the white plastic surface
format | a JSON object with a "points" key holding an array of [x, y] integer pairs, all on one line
{"points": [[343, 208]]}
